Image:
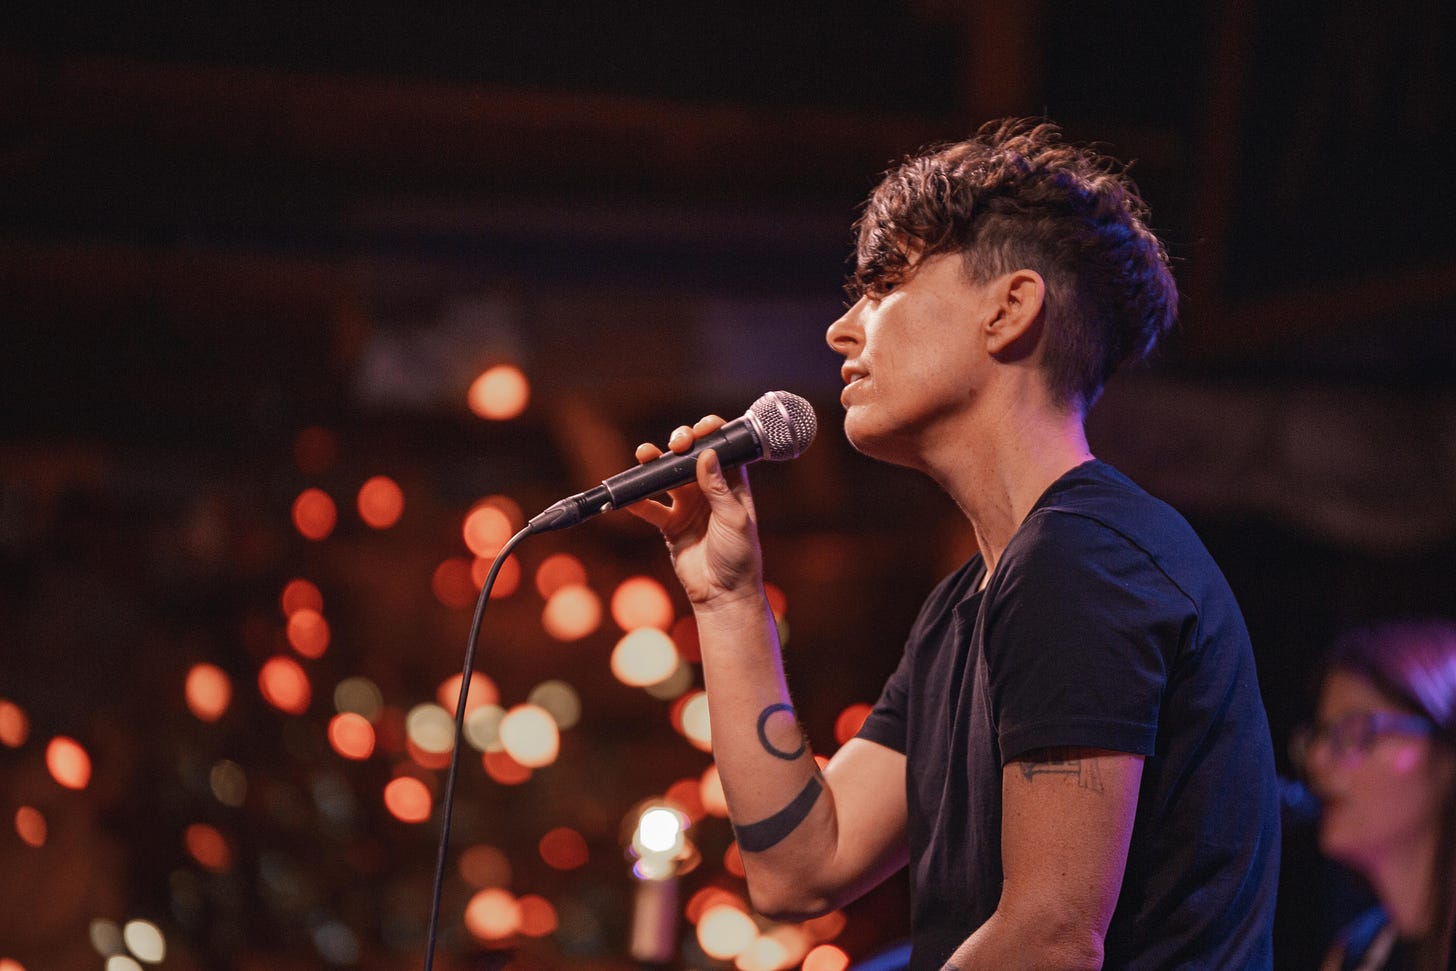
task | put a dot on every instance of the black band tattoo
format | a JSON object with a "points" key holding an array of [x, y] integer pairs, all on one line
{"points": [[1064, 761], [770, 747], [768, 833]]}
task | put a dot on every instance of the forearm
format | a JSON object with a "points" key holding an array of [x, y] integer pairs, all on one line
{"points": [[1028, 941]]}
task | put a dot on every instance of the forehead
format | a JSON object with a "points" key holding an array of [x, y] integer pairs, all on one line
{"points": [[1345, 693]]}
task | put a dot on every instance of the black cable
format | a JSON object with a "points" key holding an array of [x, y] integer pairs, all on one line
{"points": [[449, 802]]}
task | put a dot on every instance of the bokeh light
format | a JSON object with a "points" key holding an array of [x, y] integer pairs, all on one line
{"points": [[572, 612], [484, 866], [380, 502], [778, 602], [707, 898], [483, 691], [500, 393], [314, 514], [430, 728], [486, 529], [641, 602], [733, 860], [724, 932], [359, 695], [208, 847], [122, 962], [686, 795], [229, 783], [529, 734], [68, 762], [299, 593], [644, 657], [697, 727], [315, 450], [676, 684], [848, 724], [284, 685], [826, 927], [493, 914], [685, 636], [538, 916], [482, 728], [559, 570], [659, 831], [710, 790], [765, 953], [14, 724], [408, 799], [507, 579], [30, 826], [10, 964], [503, 769], [209, 691], [351, 736], [145, 941], [563, 848], [308, 632], [106, 937], [560, 699], [453, 584]]}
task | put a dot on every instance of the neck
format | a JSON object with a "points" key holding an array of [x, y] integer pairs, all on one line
{"points": [[1403, 882]]}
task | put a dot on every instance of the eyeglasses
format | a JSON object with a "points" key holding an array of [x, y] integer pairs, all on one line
{"points": [[1354, 733]]}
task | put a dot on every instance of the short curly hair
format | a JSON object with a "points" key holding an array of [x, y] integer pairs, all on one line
{"points": [[1016, 196]]}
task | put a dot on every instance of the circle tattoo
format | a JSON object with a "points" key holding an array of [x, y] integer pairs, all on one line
{"points": [[770, 747]]}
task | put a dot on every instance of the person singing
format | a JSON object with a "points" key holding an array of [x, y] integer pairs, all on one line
{"points": [[1072, 756]]}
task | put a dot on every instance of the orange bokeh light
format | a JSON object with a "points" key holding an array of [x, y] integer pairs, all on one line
{"points": [[644, 657], [847, 725], [14, 724], [308, 632], [10, 964], [572, 612], [285, 685], [507, 579], [504, 769], [709, 897], [493, 914], [563, 848], [826, 957], [711, 792], [826, 927], [380, 502], [30, 824], [499, 394], [733, 860], [298, 594], [453, 585], [538, 916], [530, 735], [208, 847], [777, 601], [408, 799], [486, 530], [641, 602], [484, 866], [351, 736], [68, 762], [724, 932], [686, 794], [685, 636], [559, 570], [314, 514], [209, 691], [483, 691]]}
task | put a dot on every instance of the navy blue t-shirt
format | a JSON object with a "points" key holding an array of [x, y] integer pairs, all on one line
{"points": [[1106, 625]]}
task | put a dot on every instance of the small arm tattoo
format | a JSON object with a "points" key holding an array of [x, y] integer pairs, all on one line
{"points": [[1064, 761], [768, 746], [768, 833]]}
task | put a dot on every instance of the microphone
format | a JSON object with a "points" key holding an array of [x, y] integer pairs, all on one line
{"points": [[778, 427]]}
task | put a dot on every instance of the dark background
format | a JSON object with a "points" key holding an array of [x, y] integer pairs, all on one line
{"points": [[223, 224]]}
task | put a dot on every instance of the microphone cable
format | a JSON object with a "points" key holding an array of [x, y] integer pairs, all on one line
{"points": [[447, 809]]}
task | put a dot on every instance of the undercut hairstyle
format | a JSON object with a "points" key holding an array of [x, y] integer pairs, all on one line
{"points": [[1016, 196]]}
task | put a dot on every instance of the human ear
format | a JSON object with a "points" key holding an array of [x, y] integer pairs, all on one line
{"points": [[1016, 327]]}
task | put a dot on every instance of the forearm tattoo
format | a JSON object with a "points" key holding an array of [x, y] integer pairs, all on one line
{"points": [[768, 833], [787, 755], [1064, 761]]}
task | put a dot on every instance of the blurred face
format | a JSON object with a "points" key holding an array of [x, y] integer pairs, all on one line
{"points": [[912, 359], [1381, 781]]}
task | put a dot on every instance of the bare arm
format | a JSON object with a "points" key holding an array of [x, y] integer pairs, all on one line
{"points": [[811, 841], [1067, 817]]}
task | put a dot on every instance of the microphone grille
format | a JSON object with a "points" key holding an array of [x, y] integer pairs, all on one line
{"points": [[786, 424]]}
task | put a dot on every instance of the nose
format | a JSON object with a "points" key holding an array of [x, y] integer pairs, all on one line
{"points": [[845, 333]]}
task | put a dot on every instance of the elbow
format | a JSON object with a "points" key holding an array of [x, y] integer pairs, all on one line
{"points": [[785, 901]]}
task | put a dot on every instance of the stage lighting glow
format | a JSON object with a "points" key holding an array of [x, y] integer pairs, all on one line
{"points": [[710, 790], [563, 848], [351, 736], [408, 799], [14, 724], [848, 724], [559, 570], [482, 728], [696, 725], [122, 962], [725, 932], [229, 783], [486, 530], [493, 914], [777, 601], [380, 502], [827, 926], [30, 826], [483, 691], [209, 691], [285, 685], [208, 847], [507, 581], [500, 393], [504, 769], [431, 728], [529, 734], [68, 762], [709, 897], [572, 612], [764, 953], [685, 636], [641, 602], [453, 585], [733, 861], [10, 964], [659, 832], [484, 866], [675, 684], [145, 941], [360, 696], [560, 699], [308, 632], [314, 514], [644, 657], [686, 795], [105, 938], [299, 593], [538, 916]]}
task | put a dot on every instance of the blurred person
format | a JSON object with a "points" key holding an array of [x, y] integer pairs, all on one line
{"points": [[1072, 756], [1381, 757]]}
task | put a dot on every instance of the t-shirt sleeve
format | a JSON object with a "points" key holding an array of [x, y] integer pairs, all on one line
{"points": [[885, 723], [1081, 632]]}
